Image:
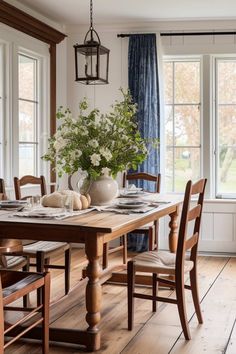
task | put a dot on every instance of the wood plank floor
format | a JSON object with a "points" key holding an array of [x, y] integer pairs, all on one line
{"points": [[158, 333]]}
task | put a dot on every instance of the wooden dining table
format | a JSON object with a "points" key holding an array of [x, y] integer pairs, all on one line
{"points": [[93, 229]]}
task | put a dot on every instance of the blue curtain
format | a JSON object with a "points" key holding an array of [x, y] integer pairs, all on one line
{"points": [[144, 88]]}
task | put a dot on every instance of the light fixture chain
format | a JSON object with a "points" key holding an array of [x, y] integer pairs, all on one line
{"points": [[91, 14]]}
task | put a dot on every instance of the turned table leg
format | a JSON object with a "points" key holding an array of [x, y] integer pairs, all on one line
{"points": [[173, 235], [93, 251]]}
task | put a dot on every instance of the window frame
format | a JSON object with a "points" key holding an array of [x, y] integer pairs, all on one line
{"points": [[186, 58], [215, 60], [37, 107], [2, 96], [209, 123]]}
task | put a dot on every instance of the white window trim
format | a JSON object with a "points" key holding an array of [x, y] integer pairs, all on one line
{"points": [[216, 58], [189, 58]]}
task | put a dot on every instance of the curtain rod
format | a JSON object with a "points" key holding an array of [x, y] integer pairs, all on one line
{"points": [[172, 34]]}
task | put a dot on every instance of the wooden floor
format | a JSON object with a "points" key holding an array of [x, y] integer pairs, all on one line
{"points": [[158, 333]]}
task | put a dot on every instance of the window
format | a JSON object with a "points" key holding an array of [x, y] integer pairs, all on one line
{"points": [[24, 105], [225, 108], [1, 111], [28, 115], [182, 122]]}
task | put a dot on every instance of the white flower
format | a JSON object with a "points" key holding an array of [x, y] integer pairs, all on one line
{"points": [[105, 152], [83, 131], [60, 143], [74, 155], [106, 171], [145, 150], [57, 134], [78, 153], [135, 148], [93, 143], [76, 131], [107, 127], [97, 121], [73, 120], [95, 159]]}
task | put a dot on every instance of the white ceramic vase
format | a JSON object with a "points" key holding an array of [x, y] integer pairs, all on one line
{"points": [[103, 190]]}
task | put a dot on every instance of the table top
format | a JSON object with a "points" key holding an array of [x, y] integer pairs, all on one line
{"points": [[93, 222]]}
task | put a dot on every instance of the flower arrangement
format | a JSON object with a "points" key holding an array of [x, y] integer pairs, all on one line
{"points": [[100, 144]]}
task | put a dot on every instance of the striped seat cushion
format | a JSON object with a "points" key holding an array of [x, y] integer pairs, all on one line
{"points": [[161, 262], [45, 246], [21, 284], [14, 262]]}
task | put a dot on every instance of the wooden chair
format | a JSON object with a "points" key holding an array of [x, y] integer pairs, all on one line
{"points": [[3, 195], [175, 265], [10, 262], [42, 251], [150, 229], [13, 286]]}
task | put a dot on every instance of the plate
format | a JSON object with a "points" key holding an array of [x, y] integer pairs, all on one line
{"points": [[131, 205], [132, 194], [10, 205]]}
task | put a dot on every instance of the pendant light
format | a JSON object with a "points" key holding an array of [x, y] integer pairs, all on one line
{"points": [[91, 58]]}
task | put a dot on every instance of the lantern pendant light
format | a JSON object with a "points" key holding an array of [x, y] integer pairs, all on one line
{"points": [[91, 58]]}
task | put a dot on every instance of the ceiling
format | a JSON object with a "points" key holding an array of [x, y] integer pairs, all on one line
{"points": [[76, 12]]}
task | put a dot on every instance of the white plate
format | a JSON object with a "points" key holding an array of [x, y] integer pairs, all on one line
{"points": [[132, 194], [131, 205]]}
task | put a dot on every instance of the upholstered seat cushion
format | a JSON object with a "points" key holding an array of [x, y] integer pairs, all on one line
{"points": [[161, 262], [14, 262], [21, 284], [44, 246]]}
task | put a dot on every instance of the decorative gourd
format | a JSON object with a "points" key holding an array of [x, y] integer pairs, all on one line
{"points": [[89, 199], [56, 200], [84, 201]]}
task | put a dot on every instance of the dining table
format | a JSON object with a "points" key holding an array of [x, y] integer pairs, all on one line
{"points": [[93, 229]]}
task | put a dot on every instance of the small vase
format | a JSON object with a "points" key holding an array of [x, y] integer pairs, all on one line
{"points": [[103, 190]]}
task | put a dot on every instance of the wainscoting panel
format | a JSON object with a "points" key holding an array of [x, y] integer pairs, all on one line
{"points": [[218, 231]]}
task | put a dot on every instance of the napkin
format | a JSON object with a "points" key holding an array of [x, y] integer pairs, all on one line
{"points": [[50, 213], [119, 210]]}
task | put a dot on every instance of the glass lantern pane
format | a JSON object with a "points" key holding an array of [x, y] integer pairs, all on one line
{"points": [[86, 63]]}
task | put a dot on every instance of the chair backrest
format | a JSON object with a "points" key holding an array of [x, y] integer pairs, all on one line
{"points": [[1, 316], [7, 245], [2, 190], [145, 177], [19, 182], [193, 215]]}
